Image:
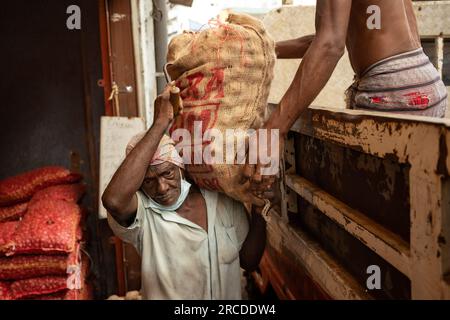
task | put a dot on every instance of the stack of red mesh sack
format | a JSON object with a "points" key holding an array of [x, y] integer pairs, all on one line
{"points": [[41, 236]]}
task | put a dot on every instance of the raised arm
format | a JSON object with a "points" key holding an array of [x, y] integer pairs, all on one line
{"points": [[120, 197], [326, 49], [294, 48]]}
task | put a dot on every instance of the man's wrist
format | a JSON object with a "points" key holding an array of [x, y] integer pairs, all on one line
{"points": [[275, 122], [161, 124]]}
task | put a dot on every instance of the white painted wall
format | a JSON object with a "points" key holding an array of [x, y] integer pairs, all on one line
{"points": [[145, 57]]}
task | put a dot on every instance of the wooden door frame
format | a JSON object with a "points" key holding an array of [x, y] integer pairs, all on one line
{"points": [[119, 67]]}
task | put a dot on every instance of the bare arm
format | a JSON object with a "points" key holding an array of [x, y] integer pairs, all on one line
{"points": [[294, 48], [253, 246], [120, 197], [332, 18]]}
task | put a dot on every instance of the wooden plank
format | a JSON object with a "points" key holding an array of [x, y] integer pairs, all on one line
{"points": [[277, 280], [288, 197], [429, 218], [122, 56], [121, 281], [443, 240], [324, 270], [382, 241], [439, 47], [105, 48], [446, 149], [139, 72], [132, 267], [143, 31], [376, 133], [426, 227], [290, 280], [423, 144]]}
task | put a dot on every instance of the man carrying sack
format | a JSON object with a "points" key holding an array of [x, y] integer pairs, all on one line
{"points": [[192, 241]]}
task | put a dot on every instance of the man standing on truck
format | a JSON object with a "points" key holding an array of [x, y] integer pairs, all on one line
{"points": [[392, 73], [192, 242]]}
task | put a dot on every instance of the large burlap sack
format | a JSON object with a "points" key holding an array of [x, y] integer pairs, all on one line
{"points": [[224, 74]]}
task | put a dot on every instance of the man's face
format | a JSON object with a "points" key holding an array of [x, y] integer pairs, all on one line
{"points": [[162, 183]]}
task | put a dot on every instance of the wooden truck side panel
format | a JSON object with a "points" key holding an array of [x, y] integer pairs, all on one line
{"points": [[415, 264]]}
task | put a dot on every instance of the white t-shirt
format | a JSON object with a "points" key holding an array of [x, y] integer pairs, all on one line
{"points": [[180, 260]]}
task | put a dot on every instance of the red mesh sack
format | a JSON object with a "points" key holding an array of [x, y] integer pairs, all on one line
{"points": [[67, 192], [85, 293], [32, 266], [7, 230], [62, 295], [5, 291], [54, 296], [22, 289], [22, 187], [14, 212], [50, 226]]}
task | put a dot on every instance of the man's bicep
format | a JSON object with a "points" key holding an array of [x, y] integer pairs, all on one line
{"points": [[332, 19], [129, 231], [132, 208], [128, 214]]}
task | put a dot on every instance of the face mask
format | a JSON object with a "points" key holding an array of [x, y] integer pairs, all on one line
{"points": [[185, 186]]}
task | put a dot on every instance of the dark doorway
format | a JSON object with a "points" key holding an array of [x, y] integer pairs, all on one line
{"points": [[51, 104]]}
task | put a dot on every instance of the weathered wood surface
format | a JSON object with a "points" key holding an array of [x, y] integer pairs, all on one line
{"points": [[421, 143]]}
